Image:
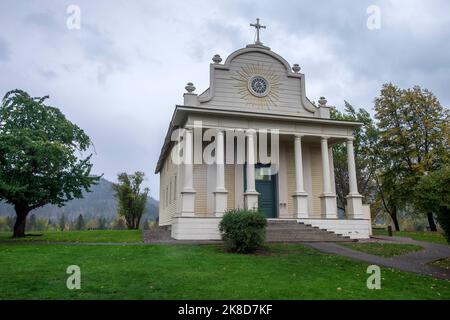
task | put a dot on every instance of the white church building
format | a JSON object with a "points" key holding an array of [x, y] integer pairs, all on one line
{"points": [[254, 140]]}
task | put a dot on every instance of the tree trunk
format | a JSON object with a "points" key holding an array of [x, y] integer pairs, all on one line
{"points": [[138, 221], [431, 221], [129, 222], [21, 219], [395, 220]]}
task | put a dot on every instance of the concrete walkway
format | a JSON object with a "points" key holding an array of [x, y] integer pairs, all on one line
{"points": [[411, 262]]}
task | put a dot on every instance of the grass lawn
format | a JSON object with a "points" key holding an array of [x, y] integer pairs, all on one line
{"points": [[285, 271], [79, 236], [429, 236], [383, 249]]}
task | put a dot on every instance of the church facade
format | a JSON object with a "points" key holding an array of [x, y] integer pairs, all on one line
{"points": [[254, 140]]}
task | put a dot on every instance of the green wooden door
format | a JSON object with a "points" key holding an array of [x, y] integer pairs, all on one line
{"points": [[265, 184]]}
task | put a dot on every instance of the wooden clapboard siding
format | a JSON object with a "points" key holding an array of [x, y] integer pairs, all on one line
{"points": [[168, 192], [290, 164], [200, 178], [316, 179], [226, 87], [283, 194], [229, 185]]}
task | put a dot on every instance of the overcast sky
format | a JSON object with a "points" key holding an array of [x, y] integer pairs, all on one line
{"points": [[119, 76]]}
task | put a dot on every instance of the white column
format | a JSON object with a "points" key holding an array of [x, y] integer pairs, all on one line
{"points": [[220, 167], [188, 192], [325, 165], [188, 165], [328, 198], [220, 194], [298, 164], [250, 195], [332, 176], [353, 185], [354, 208], [300, 196], [250, 162]]}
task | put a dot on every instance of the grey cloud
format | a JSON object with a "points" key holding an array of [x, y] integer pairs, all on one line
{"points": [[214, 32], [43, 19], [224, 32], [48, 74], [398, 52], [130, 61], [5, 51], [196, 51], [101, 49], [103, 72]]}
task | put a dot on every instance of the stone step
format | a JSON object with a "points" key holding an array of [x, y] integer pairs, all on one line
{"points": [[287, 227], [310, 240], [302, 234], [293, 231], [307, 238], [292, 221]]}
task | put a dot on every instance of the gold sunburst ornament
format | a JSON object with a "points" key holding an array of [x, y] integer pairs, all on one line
{"points": [[258, 85]]}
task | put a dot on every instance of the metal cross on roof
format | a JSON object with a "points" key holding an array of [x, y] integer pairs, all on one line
{"points": [[257, 26]]}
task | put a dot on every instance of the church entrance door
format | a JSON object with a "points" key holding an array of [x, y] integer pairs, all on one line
{"points": [[266, 186]]}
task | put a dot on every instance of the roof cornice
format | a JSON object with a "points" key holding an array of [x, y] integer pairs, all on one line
{"points": [[269, 116], [180, 114]]}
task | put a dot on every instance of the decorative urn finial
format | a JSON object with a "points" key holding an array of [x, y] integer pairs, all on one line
{"points": [[323, 102], [190, 87], [296, 68], [217, 59]]}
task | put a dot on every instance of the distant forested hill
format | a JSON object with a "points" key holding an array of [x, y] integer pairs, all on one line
{"points": [[100, 202]]}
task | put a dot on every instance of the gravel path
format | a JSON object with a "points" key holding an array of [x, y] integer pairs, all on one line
{"points": [[416, 262]]}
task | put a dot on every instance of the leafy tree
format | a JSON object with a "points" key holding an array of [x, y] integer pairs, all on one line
{"points": [[413, 138], [365, 158], [102, 223], [40, 225], [432, 193], [80, 224], [40, 154], [49, 224], [32, 222], [145, 225], [119, 225], [10, 221], [92, 224], [131, 200], [3, 224], [62, 222], [388, 195]]}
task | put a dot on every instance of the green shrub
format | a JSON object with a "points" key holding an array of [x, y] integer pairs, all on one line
{"points": [[243, 231]]}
